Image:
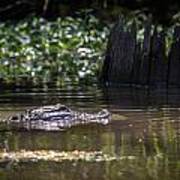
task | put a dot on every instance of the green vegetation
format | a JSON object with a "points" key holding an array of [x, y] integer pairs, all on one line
{"points": [[67, 50]]}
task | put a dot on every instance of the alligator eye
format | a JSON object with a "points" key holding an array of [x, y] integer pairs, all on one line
{"points": [[104, 112], [63, 108]]}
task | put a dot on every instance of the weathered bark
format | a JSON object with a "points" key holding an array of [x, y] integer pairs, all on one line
{"points": [[120, 54], [158, 74], [145, 60], [137, 65], [174, 60]]}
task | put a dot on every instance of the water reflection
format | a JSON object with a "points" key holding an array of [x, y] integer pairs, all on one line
{"points": [[145, 125]]}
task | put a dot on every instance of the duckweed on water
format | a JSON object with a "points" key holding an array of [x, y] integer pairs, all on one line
{"points": [[65, 50]]}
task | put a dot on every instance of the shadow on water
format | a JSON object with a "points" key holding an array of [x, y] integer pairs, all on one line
{"points": [[145, 125]]}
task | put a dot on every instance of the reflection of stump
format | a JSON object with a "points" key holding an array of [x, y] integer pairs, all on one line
{"points": [[129, 61]]}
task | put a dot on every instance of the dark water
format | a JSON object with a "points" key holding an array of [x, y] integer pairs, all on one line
{"points": [[145, 126]]}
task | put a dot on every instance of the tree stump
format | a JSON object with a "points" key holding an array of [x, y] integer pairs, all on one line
{"points": [[174, 60], [145, 63], [159, 63], [120, 55]]}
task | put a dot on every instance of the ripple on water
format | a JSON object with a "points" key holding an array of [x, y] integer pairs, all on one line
{"points": [[146, 125]]}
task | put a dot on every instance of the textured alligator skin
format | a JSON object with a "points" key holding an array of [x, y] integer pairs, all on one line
{"points": [[56, 117]]}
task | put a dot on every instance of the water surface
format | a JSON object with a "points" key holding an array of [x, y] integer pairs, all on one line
{"points": [[145, 126]]}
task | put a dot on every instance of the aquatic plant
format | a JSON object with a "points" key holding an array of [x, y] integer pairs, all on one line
{"points": [[67, 50]]}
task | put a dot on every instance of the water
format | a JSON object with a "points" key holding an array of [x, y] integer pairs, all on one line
{"points": [[144, 135]]}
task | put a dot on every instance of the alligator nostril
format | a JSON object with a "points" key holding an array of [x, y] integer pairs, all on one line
{"points": [[14, 118]]}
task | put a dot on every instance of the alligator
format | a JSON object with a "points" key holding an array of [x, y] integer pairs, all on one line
{"points": [[56, 117]]}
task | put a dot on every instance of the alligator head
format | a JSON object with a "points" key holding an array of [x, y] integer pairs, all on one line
{"points": [[57, 117]]}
